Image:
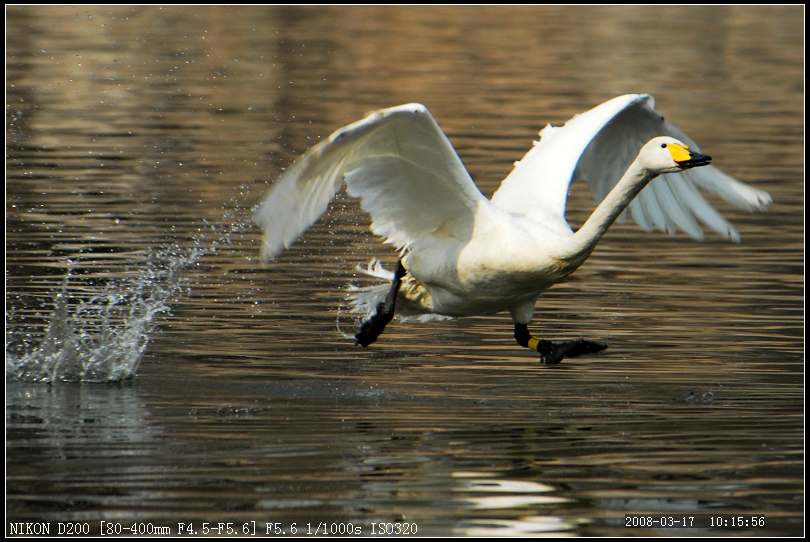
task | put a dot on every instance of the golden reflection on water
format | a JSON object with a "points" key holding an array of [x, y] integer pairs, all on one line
{"points": [[129, 126]]}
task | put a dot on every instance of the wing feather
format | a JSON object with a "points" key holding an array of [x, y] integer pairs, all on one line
{"points": [[654, 217], [641, 215], [599, 145], [397, 161]]}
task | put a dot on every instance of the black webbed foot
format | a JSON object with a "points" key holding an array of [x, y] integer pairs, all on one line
{"points": [[373, 326], [552, 353]]}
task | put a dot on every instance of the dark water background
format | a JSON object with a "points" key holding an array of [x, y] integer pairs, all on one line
{"points": [[136, 127]]}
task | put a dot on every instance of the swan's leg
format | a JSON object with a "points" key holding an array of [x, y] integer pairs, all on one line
{"points": [[552, 353], [373, 326]]}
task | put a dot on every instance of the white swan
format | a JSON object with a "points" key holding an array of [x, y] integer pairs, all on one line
{"points": [[462, 254]]}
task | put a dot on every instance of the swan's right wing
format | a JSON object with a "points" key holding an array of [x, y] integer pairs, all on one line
{"points": [[397, 161], [673, 201], [599, 145]]}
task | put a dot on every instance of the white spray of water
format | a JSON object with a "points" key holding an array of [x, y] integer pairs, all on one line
{"points": [[104, 338]]}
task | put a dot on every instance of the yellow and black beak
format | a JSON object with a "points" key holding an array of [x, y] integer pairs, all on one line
{"points": [[696, 159], [687, 159]]}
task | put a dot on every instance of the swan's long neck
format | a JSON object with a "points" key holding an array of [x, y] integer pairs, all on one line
{"points": [[634, 179]]}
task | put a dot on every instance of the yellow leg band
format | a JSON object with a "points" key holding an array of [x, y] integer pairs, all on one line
{"points": [[533, 342]]}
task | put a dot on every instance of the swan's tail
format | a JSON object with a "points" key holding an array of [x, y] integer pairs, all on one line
{"points": [[364, 300]]}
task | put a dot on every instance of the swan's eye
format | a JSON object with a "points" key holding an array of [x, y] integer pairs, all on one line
{"points": [[663, 145]]}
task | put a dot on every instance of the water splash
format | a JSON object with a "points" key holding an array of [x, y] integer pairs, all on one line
{"points": [[104, 338]]}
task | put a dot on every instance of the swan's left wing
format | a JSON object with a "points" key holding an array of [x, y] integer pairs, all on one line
{"points": [[397, 161], [599, 145]]}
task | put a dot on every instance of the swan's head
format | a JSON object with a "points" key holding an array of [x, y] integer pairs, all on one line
{"points": [[668, 155]]}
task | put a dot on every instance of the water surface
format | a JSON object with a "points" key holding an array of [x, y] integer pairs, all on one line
{"points": [[135, 128]]}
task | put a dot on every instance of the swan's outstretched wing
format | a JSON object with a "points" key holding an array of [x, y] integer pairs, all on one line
{"points": [[397, 161], [599, 145]]}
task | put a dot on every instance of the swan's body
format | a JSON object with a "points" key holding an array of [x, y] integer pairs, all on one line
{"points": [[463, 254]]}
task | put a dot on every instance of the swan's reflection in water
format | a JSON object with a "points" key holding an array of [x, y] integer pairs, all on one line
{"points": [[490, 493]]}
